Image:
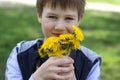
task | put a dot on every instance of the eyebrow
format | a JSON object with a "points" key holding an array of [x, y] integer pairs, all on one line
{"points": [[67, 15], [51, 13], [71, 15]]}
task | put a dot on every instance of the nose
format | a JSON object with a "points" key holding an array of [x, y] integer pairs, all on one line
{"points": [[60, 25]]}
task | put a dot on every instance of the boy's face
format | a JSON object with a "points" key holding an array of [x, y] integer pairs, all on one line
{"points": [[58, 21]]}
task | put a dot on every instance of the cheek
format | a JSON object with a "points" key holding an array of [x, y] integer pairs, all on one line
{"points": [[69, 27], [47, 27]]}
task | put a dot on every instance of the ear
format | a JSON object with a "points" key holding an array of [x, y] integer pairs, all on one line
{"points": [[39, 17]]}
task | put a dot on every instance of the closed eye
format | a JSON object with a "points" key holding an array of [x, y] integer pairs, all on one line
{"points": [[52, 17], [69, 18]]}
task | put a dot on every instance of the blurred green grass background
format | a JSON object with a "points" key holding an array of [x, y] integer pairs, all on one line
{"points": [[101, 30], [116, 2]]}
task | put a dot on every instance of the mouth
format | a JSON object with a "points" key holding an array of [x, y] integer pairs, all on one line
{"points": [[57, 34]]}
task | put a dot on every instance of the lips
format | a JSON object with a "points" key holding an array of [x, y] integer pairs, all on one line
{"points": [[57, 34]]}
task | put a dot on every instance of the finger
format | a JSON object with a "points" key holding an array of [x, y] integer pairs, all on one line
{"points": [[69, 75], [64, 76], [63, 69], [63, 61]]}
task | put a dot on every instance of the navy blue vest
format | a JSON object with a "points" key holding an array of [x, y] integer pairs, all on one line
{"points": [[30, 59]]}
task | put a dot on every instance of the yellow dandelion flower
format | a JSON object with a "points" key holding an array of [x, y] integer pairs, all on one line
{"points": [[78, 33], [58, 53], [50, 45], [66, 36], [62, 45], [65, 40], [76, 44]]}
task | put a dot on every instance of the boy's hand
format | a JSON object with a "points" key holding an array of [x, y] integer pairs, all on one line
{"points": [[56, 68]]}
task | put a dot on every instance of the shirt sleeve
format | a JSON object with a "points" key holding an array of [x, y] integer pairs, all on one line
{"points": [[31, 78], [12, 68], [94, 74]]}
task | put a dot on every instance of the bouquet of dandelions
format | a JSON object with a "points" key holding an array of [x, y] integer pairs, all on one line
{"points": [[62, 45]]}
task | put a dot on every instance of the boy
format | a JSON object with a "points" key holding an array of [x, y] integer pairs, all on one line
{"points": [[56, 17]]}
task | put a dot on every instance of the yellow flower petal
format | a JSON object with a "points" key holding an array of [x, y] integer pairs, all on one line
{"points": [[78, 33]]}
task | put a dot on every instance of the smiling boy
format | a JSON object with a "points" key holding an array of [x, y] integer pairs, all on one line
{"points": [[56, 17]]}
